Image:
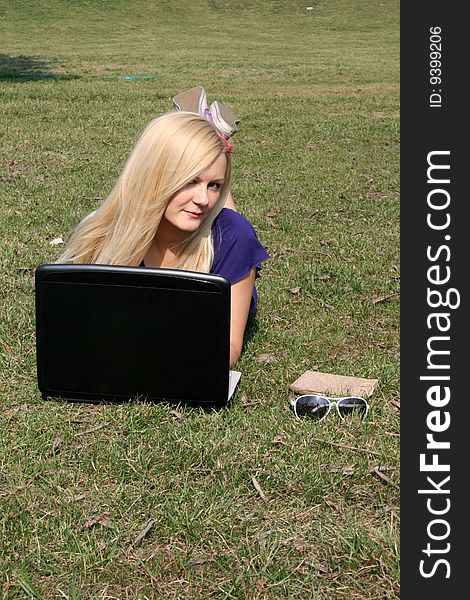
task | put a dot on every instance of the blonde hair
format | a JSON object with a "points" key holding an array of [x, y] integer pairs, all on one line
{"points": [[173, 150]]}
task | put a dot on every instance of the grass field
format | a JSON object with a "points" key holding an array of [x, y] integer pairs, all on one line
{"points": [[143, 501]]}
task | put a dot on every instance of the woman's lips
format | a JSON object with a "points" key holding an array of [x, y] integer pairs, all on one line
{"points": [[194, 215]]}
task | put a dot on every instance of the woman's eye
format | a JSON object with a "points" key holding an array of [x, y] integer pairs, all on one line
{"points": [[215, 186]]}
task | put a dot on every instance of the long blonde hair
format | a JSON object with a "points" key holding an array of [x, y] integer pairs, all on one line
{"points": [[173, 150]]}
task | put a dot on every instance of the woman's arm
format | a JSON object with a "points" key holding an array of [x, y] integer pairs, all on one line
{"points": [[241, 293]]}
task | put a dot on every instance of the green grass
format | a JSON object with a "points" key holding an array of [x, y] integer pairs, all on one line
{"points": [[316, 171]]}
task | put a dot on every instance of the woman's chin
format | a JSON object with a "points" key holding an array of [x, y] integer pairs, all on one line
{"points": [[190, 223]]}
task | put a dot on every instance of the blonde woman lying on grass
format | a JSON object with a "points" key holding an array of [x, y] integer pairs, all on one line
{"points": [[171, 208]]}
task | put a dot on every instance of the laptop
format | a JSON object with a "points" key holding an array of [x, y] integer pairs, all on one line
{"points": [[114, 333]]}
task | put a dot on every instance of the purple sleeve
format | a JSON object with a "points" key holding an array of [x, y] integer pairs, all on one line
{"points": [[236, 249]]}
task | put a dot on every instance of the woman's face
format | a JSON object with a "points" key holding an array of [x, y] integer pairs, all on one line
{"points": [[188, 208]]}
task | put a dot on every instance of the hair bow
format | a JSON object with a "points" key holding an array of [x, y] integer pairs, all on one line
{"points": [[223, 118]]}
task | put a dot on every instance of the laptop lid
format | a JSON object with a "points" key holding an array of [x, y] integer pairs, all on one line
{"points": [[113, 333]]}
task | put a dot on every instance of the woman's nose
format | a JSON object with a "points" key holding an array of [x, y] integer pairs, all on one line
{"points": [[200, 195]]}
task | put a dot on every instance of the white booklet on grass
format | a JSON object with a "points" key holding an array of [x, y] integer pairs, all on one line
{"points": [[234, 378]]}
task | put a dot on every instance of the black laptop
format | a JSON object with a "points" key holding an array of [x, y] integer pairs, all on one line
{"points": [[111, 333]]}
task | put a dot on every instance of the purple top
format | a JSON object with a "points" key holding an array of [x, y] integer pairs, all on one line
{"points": [[236, 249]]}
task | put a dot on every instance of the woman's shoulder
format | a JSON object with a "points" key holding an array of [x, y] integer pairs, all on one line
{"points": [[236, 248], [231, 221], [235, 240]]}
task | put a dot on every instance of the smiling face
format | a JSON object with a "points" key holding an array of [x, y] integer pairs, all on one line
{"points": [[188, 208]]}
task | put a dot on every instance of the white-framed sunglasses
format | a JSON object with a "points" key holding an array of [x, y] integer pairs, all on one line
{"points": [[318, 407]]}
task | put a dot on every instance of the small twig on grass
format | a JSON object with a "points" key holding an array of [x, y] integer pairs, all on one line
{"points": [[77, 498], [378, 471], [382, 469], [246, 403], [194, 562], [385, 298], [279, 441], [348, 471], [258, 488], [148, 526], [102, 520], [316, 566], [92, 429], [344, 446]]}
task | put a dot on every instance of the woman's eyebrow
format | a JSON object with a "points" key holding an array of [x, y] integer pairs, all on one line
{"points": [[215, 180]]}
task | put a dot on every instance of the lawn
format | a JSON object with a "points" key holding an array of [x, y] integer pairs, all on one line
{"points": [[144, 501]]}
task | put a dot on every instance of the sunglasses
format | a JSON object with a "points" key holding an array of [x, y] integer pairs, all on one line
{"points": [[318, 407]]}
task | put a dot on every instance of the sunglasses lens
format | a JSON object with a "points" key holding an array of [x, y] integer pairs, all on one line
{"points": [[349, 406], [315, 407]]}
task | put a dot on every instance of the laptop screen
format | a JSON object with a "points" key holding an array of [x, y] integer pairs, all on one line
{"points": [[114, 333]]}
